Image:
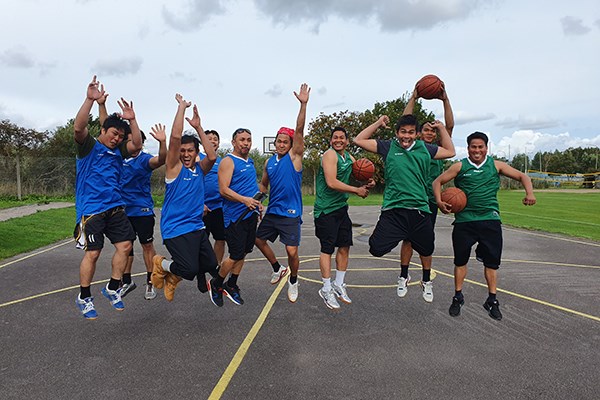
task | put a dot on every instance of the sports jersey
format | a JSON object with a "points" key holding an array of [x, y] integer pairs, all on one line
{"points": [[480, 184], [184, 203], [243, 182], [406, 173], [97, 186], [286, 187], [135, 185], [436, 167], [327, 199], [212, 197]]}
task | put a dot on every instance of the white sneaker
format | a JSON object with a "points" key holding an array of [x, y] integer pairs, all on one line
{"points": [[150, 292], [329, 299], [276, 276], [427, 291], [292, 291], [341, 293], [402, 286]]}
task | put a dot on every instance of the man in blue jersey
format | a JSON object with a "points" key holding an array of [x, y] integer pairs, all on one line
{"points": [[139, 206], [284, 213], [213, 202], [99, 205], [181, 224], [238, 186]]}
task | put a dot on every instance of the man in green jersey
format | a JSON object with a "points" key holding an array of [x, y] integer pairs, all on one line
{"points": [[479, 222], [332, 223], [405, 213]]}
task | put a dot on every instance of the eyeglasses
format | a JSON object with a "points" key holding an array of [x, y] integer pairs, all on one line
{"points": [[241, 130]]}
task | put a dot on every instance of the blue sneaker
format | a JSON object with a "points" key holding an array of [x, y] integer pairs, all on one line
{"points": [[86, 306], [114, 296], [233, 294]]}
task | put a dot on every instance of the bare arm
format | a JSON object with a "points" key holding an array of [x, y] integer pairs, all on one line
{"points": [[158, 132], [225, 173], [173, 162], [80, 128], [444, 178], [298, 146], [102, 113], [446, 147], [329, 163], [135, 142], [363, 139], [506, 170], [410, 105], [448, 114], [211, 154]]}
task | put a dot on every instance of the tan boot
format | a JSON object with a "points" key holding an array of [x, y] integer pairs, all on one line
{"points": [[171, 282], [158, 273]]}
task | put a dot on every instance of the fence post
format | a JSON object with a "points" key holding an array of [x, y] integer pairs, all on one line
{"points": [[18, 178]]}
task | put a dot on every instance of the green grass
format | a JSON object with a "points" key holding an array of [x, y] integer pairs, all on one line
{"points": [[12, 201], [19, 235]]}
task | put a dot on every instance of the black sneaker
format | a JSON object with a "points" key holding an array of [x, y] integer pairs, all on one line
{"points": [[457, 303], [493, 309], [216, 293], [233, 294]]}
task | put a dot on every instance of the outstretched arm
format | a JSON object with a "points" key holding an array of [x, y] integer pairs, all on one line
{"points": [[444, 178], [506, 170], [102, 113], [211, 154], [363, 139], [446, 147], [410, 105], [298, 145], [173, 163], [135, 144], [159, 133], [81, 119], [448, 114]]}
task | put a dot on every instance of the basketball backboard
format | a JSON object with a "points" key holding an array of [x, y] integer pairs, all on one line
{"points": [[268, 144]]}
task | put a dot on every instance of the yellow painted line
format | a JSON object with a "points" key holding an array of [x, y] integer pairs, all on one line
{"points": [[35, 254], [234, 364]]}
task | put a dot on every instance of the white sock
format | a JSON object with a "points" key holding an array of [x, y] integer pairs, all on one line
{"points": [[339, 277], [166, 265], [326, 284]]}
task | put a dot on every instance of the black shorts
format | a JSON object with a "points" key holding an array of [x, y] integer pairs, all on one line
{"points": [[90, 231], [334, 230], [214, 224], [240, 237], [434, 212], [399, 224], [288, 229], [487, 235], [192, 255], [143, 228]]}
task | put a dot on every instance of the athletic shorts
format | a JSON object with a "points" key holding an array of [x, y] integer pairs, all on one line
{"points": [[334, 230], [399, 224], [487, 235], [288, 229], [192, 255], [240, 237], [90, 231], [433, 207], [213, 221]]}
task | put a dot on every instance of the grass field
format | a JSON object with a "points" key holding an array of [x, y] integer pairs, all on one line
{"points": [[8, 202]]}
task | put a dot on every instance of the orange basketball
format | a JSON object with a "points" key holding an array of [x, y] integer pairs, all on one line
{"points": [[363, 169], [455, 197], [430, 87]]}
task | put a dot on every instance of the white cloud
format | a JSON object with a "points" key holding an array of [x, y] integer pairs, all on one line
{"points": [[193, 15], [17, 57], [531, 123], [275, 91], [118, 67], [531, 142], [463, 118], [573, 26]]}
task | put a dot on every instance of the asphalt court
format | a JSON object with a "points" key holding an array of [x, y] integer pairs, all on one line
{"points": [[547, 345]]}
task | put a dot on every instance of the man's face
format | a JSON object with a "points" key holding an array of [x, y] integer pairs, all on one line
{"points": [[242, 143], [188, 154], [283, 144], [477, 150], [339, 141], [214, 140], [407, 134], [428, 133], [111, 137]]}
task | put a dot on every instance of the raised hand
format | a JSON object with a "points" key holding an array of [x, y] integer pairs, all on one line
{"points": [[126, 109], [181, 101], [93, 93], [102, 99], [384, 120], [304, 93], [195, 120], [158, 132]]}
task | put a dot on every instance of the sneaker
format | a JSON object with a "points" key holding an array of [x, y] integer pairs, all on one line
{"points": [[150, 292], [233, 294], [127, 287], [341, 293], [292, 291], [158, 273], [86, 306], [171, 282], [457, 303], [493, 309], [114, 296], [276, 276], [216, 293], [402, 286], [427, 291], [329, 299]]}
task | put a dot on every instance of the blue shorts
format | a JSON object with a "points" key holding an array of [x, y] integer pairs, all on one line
{"points": [[288, 229]]}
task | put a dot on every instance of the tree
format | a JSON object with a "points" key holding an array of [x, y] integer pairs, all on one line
{"points": [[520, 162]]}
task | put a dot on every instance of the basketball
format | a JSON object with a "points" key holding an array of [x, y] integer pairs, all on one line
{"points": [[430, 87], [455, 197], [363, 169]]}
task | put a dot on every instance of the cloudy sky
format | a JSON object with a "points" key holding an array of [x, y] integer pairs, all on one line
{"points": [[526, 72]]}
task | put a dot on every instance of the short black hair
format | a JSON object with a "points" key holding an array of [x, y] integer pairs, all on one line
{"points": [[213, 132], [191, 139], [143, 135], [114, 121], [240, 130], [408, 119], [477, 135], [339, 129]]}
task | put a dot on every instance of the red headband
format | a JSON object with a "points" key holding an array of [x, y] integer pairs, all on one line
{"points": [[286, 131]]}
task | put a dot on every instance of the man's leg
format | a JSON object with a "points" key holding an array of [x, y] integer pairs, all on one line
{"points": [[148, 253], [406, 252], [219, 248]]}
